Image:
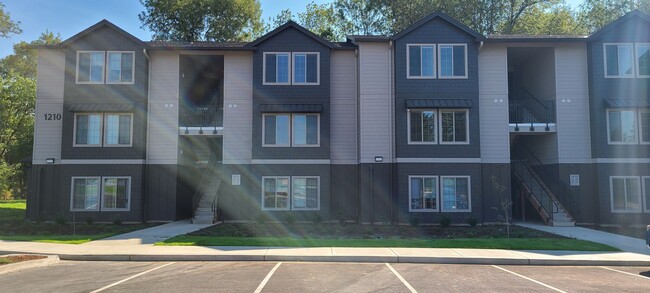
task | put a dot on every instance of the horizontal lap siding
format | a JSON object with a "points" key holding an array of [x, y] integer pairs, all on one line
{"points": [[162, 143], [493, 85], [49, 99], [238, 108], [343, 103]]}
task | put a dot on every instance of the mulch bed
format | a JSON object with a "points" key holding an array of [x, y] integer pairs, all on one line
{"points": [[9, 259]]}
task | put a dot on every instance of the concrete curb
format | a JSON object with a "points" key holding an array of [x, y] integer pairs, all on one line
{"points": [[50, 259]]}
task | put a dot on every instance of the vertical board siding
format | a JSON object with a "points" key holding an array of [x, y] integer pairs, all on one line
{"points": [[493, 102], [343, 103], [574, 139], [238, 108], [375, 102], [49, 100], [162, 142]]}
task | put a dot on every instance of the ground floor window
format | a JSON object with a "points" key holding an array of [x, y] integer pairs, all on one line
{"points": [[625, 193], [455, 194], [100, 193], [439, 193], [646, 193], [291, 192], [423, 193]]}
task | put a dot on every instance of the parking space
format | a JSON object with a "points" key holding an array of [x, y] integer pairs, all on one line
{"points": [[69, 276]]}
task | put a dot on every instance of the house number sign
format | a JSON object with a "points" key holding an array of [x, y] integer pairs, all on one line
{"points": [[52, 116]]}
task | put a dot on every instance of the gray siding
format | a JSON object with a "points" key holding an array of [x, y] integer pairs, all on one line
{"points": [[238, 108], [49, 100], [376, 137], [162, 146], [343, 138], [493, 102]]}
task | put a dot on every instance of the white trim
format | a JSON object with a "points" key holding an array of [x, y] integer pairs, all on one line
{"points": [[645, 197], [290, 122], [128, 195], [293, 77], [101, 162], [636, 126], [293, 127], [290, 162], [104, 144], [408, 61], [622, 160], [440, 76], [435, 126], [437, 191], [74, 130], [317, 208], [99, 192], [106, 67], [469, 194], [631, 45], [454, 120], [264, 82], [90, 73], [636, 59], [611, 195], [439, 160], [276, 194]]}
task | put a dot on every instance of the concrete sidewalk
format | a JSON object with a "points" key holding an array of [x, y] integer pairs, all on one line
{"points": [[149, 236]]}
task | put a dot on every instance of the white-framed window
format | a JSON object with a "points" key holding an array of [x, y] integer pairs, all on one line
{"points": [[644, 125], [423, 194], [277, 67], [90, 67], [84, 195], [625, 194], [622, 126], [422, 126], [421, 61], [87, 130], [619, 60], [455, 193], [642, 51], [116, 193], [645, 180], [452, 61], [118, 130], [120, 68], [306, 68], [275, 193], [306, 130], [454, 126], [305, 193], [276, 130]]}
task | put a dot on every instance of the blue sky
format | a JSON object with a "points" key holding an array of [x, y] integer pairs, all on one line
{"points": [[68, 17]]}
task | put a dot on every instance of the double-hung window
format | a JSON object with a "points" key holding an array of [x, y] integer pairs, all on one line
{"points": [[275, 193], [291, 193], [117, 130], [90, 67], [422, 126], [454, 127], [622, 126], [644, 125], [455, 193], [452, 60], [625, 192], [305, 193], [120, 67], [87, 130], [423, 193], [305, 130], [277, 68], [276, 130], [100, 193], [421, 61], [306, 68], [297, 130], [619, 60], [429, 193], [643, 60], [646, 193]]}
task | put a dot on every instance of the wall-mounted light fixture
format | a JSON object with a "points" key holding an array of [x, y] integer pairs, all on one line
{"points": [[49, 160], [379, 159]]}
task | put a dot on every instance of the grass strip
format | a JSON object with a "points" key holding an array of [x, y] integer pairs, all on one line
{"points": [[60, 239]]}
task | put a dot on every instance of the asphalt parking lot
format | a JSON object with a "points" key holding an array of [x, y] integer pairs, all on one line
{"points": [[70, 276]]}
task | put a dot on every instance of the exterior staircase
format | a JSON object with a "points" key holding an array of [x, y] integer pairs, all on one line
{"points": [[206, 197]]}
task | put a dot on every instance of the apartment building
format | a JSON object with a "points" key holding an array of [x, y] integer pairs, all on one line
{"points": [[436, 121]]}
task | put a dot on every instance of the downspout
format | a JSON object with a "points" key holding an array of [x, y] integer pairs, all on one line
{"points": [[358, 94], [480, 45], [145, 185], [393, 195]]}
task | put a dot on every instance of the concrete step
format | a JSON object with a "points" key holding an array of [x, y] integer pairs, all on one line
{"points": [[563, 224], [202, 221], [209, 214], [204, 209]]}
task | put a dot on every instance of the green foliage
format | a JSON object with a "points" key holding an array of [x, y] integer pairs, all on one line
{"points": [[7, 26], [363, 17], [472, 222], [283, 17], [23, 61], [595, 14], [414, 220], [445, 221], [202, 20], [61, 219], [89, 220], [117, 221], [321, 20], [290, 219], [559, 20], [316, 218]]}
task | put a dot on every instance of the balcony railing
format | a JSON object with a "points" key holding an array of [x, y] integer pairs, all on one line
{"points": [[526, 109], [202, 116]]}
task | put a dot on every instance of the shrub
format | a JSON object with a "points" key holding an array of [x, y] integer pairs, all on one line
{"points": [[117, 221], [316, 218], [414, 220], [61, 219], [89, 221], [261, 218], [341, 216], [445, 221], [290, 219], [472, 222]]}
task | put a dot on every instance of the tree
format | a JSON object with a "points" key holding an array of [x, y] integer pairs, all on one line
{"points": [[558, 20], [23, 60], [363, 17], [7, 26], [283, 17], [321, 20], [202, 20], [595, 14]]}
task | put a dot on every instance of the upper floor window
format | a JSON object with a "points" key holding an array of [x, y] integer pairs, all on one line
{"points": [[619, 60], [297, 130], [421, 61], [285, 68], [305, 68], [643, 60], [625, 126], [454, 126], [117, 130], [90, 67], [305, 130], [452, 60], [120, 67], [276, 68], [422, 126]]}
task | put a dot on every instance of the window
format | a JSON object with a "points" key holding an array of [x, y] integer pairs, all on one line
{"points": [[643, 60], [115, 193], [454, 127], [305, 68], [452, 61], [421, 61], [276, 68], [455, 194], [644, 121], [646, 193], [619, 60], [423, 193], [88, 129], [305, 130], [118, 130], [276, 193], [305, 193], [276, 129], [422, 126], [120, 67], [90, 67], [621, 126], [85, 194], [625, 194]]}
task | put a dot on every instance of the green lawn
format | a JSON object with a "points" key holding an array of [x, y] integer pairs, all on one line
{"points": [[11, 210], [488, 243]]}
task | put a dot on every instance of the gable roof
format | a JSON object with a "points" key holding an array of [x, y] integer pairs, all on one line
{"points": [[628, 16], [285, 26], [445, 17], [98, 25]]}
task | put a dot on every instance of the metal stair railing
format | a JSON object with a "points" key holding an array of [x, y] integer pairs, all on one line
{"points": [[206, 116], [530, 110], [536, 189], [208, 174]]}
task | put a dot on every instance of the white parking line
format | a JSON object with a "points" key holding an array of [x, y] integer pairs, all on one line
{"points": [[627, 273], [529, 279], [267, 278], [401, 279], [131, 277]]}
